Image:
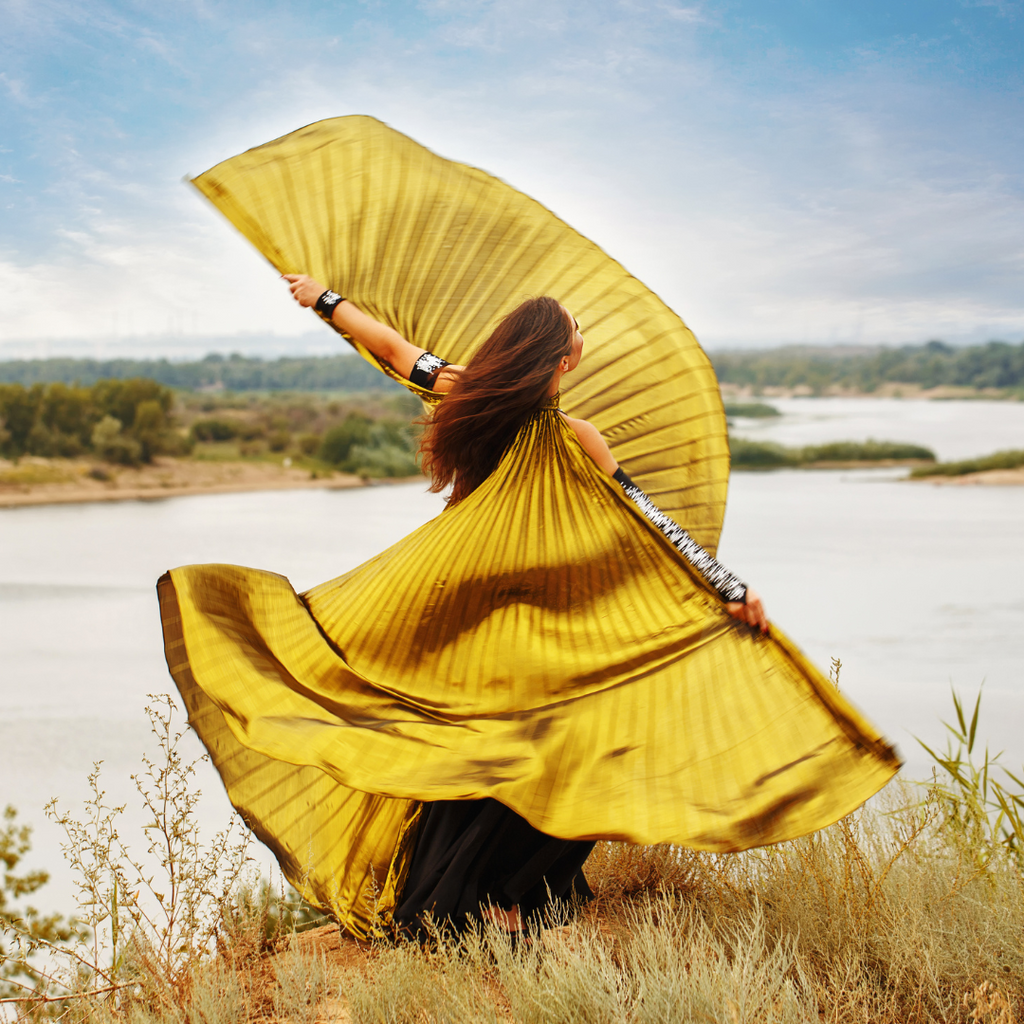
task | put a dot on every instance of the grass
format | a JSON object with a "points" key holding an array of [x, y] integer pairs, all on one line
{"points": [[748, 454], [909, 910], [1011, 459], [32, 473], [750, 410]]}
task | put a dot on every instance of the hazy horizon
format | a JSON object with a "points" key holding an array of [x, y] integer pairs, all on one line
{"points": [[789, 172], [269, 345]]}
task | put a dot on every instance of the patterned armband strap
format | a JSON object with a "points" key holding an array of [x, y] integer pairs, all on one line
{"points": [[326, 303], [728, 586], [425, 370]]}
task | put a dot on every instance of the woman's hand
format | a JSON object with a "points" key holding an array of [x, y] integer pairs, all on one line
{"points": [[305, 291], [752, 612]]}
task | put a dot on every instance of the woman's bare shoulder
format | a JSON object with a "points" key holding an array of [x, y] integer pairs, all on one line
{"points": [[593, 443]]}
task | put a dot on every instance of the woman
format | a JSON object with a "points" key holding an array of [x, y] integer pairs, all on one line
{"points": [[505, 866], [549, 662]]}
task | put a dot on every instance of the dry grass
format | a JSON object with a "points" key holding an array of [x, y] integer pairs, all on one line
{"points": [[884, 917], [877, 919], [908, 911]]}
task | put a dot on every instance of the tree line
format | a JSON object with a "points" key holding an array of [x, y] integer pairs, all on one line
{"points": [[235, 372], [128, 422], [996, 364], [122, 421]]}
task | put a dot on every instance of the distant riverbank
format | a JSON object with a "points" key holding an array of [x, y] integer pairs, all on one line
{"points": [[39, 481], [987, 478], [940, 393]]}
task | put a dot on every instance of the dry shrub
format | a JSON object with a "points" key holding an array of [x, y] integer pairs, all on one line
{"points": [[447, 982], [617, 871], [218, 995], [886, 917], [910, 910], [888, 914], [302, 986]]}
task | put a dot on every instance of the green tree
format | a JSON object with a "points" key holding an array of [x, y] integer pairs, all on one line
{"points": [[19, 408], [111, 443], [339, 441], [122, 398]]}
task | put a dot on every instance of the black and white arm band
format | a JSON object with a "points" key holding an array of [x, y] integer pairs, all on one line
{"points": [[713, 573], [425, 370], [327, 303]]}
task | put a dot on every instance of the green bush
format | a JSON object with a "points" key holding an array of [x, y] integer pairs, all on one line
{"points": [[61, 420], [764, 455], [309, 444], [279, 440], [215, 430], [339, 440], [111, 443], [865, 451], [35, 931], [385, 461], [381, 448], [1010, 459], [750, 410], [760, 455]]}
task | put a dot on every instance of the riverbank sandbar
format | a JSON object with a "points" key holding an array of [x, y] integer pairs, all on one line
{"points": [[67, 481]]}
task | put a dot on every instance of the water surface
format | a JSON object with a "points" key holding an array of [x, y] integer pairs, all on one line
{"points": [[915, 587]]}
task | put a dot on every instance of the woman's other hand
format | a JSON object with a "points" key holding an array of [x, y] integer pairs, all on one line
{"points": [[305, 291], [752, 612]]}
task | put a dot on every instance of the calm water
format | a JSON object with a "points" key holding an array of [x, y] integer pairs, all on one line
{"points": [[914, 587], [953, 429]]}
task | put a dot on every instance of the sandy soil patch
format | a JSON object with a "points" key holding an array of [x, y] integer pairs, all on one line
{"points": [[35, 481], [988, 478]]}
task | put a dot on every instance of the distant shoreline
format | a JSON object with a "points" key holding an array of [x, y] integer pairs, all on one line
{"points": [[895, 392], [68, 482], [987, 478], [180, 478]]}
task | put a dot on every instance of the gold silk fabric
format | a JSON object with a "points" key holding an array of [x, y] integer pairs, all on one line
{"points": [[441, 251], [541, 642]]}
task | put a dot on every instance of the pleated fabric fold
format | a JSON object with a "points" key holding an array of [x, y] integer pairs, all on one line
{"points": [[441, 251], [540, 643]]}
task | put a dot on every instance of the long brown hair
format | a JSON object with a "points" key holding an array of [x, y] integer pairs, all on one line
{"points": [[505, 382]]}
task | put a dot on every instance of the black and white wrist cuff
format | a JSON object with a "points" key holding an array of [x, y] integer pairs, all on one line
{"points": [[326, 303], [425, 370]]}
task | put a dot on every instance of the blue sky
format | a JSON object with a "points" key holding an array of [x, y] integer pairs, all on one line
{"points": [[779, 171]]}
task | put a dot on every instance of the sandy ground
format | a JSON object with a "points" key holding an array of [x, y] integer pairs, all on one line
{"points": [[990, 478], [57, 481]]}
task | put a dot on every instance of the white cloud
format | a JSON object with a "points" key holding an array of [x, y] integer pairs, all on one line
{"points": [[863, 206]]}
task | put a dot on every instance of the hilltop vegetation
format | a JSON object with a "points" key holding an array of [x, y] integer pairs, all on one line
{"points": [[235, 372], [121, 421], [908, 911], [1010, 459], [748, 454], [130, 422], [995, 365]]}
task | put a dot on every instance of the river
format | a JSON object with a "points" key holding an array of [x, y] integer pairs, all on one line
{"points": [[915, 587]]}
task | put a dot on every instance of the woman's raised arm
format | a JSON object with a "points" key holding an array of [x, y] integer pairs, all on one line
{"points": [[383, 341]]}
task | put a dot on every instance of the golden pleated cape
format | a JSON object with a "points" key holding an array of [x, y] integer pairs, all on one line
{"points": [[541, 642]]}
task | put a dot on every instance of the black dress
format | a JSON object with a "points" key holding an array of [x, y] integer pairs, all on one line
{"points": [[473, 853]]}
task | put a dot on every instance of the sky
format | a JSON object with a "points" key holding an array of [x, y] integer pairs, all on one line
{"points": [[779, 171]]}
